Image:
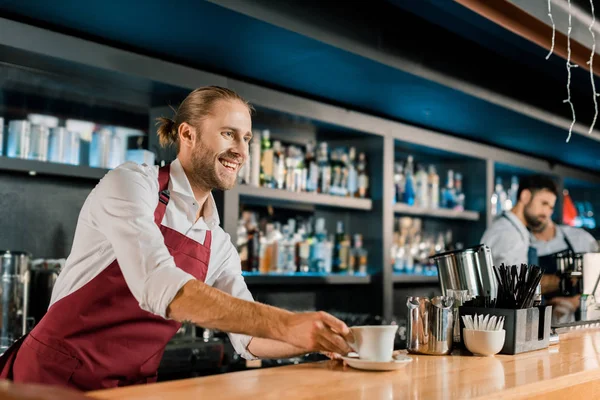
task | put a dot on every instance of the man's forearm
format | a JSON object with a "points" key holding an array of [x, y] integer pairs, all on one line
{"points": [[268, 348], [211, 308]]}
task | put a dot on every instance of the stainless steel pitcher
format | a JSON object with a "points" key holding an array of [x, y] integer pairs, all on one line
{"points": [[469, 269], [430, 325]]}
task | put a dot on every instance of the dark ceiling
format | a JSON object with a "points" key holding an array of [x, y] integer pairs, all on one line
{"points": [[440, 35]]}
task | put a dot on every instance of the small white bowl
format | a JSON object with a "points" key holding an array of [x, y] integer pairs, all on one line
{"points": [[485, 343]]}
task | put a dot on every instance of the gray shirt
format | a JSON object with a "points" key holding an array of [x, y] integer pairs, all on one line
{"points": [[581, 241], [508, 239]]}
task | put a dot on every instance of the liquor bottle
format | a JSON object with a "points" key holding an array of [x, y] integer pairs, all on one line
{"points": [[336, 172], [266, 250], [303, 247], [359, 255], [310, 162], [278, 165], [341, 249], [498, 198], [324, 169], [460, 195], [421, 195], [434, 188], [266, 170], [255, 159], [352, 173], [318, 248], [409, 188], [345, 166], [363, 179], [511, 200], [242, 244], [399, 183], [449, 194], [253, 245]]}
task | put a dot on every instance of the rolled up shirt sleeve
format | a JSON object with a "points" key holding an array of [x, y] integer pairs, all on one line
{"points": [[122, 209], [231, 281]]}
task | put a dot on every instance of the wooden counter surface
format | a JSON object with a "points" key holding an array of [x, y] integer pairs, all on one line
{"points": [[569, 369]]}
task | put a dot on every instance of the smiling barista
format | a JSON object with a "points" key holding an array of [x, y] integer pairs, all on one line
{"points": [[149, 254]]}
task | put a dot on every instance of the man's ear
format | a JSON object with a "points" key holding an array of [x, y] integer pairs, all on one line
{"points": [[526, 196], [187, 135]]}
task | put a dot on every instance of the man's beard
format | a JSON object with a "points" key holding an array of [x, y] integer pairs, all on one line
{"points": [[533, 221], [204, 173]]}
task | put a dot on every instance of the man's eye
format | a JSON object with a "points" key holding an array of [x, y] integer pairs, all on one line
{"points": [[228, 133], [247, 139]]}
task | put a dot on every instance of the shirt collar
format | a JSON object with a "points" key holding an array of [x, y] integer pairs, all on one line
{"points": [[180, 184], [518, 224]]}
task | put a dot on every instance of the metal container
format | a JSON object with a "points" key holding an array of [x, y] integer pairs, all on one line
{"points": [[469, 269], [430, 325], [38, 147], [15, 270], [19, 134]]}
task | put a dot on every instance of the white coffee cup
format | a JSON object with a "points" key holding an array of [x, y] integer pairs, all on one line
{"points": [[374, 342]]}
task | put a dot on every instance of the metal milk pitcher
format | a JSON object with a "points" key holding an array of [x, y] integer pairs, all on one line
{"points": [[430, 325]]}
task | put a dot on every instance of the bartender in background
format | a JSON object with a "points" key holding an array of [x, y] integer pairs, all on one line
{"points": [[509, 237]]}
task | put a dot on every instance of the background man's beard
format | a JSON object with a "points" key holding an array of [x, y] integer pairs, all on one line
{"points": [[534, 223]]}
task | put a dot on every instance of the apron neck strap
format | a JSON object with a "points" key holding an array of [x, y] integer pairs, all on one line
{"points": [[163, 193]]}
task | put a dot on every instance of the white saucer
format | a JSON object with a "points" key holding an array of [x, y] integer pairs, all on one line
{"points": [[399, 361]]}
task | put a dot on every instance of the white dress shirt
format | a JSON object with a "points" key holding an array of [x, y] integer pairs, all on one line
{"points": [[509, 241], [117, 221]]}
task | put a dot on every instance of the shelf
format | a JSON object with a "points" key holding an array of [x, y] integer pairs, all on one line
{"points": [[401, 208], [400, 277], [284, 196], [34, 167], [306, 278]]}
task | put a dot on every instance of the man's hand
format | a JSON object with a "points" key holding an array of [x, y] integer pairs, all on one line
{"points": [[318, 331]]}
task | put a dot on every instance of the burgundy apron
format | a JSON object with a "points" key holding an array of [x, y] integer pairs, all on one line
{"points": [[98, 336]]}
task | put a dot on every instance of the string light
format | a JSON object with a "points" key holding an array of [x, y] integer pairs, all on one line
{"points": [[569, 66], [553, 28], [591, 64]]}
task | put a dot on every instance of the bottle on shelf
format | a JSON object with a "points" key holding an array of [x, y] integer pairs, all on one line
{"points": [[358, 256], [459, 194], [449, 193], [363, 179], [498, 198], [512, 194], [324, 169], [310, 163], [266, 165], [255, 158], [254, 240], [434, 188], [242, 244], [409, 188], [279, 167], [399, 183], [341, 249], [422, 186], [352, 173]]}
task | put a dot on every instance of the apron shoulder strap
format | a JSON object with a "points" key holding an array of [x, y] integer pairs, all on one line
{"points": [[163, 193], [567, 241]]}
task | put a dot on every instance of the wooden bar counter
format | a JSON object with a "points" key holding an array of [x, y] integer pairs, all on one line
{"points": [[570, 369]]}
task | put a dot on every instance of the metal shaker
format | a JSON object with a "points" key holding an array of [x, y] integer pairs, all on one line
{"points": [[430, 325]]}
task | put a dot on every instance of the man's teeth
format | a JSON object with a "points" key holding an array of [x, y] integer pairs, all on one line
{"points": [[229, 164]]}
